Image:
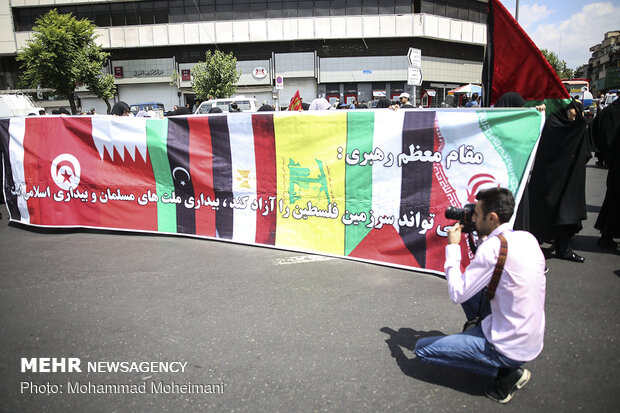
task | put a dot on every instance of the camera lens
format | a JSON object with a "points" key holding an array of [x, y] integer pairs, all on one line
{"points": [[454, 212]]}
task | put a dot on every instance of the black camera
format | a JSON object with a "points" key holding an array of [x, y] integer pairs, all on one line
{"points": [[464, 215]]}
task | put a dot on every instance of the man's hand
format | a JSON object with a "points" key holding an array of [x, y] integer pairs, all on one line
{"points": [[454, 234]]}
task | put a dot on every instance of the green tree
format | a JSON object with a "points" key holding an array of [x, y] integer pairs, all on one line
{"points": [[103, 87], [560, 66], [63, 54], [216, 77]]}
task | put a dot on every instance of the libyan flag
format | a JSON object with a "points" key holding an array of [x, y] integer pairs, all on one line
{"points": [[513, 63]]}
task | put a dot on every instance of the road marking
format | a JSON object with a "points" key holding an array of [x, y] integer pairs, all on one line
{"points": [[300, 259]]}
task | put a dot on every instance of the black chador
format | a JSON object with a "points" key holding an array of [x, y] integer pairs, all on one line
{"points": [[557, 185], [606, 133]]}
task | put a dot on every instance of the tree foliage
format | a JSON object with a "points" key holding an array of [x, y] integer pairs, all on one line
{"points": [[560, 66], [103, 87], [216, 77], [63, 54]]}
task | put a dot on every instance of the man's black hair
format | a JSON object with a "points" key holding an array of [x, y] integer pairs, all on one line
{"points": [[498, 200]]}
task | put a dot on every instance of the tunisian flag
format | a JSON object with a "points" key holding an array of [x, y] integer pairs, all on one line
{"points": [[513, 63]]}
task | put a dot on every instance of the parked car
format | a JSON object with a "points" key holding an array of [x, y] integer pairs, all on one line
{"points": [[243, 103]]}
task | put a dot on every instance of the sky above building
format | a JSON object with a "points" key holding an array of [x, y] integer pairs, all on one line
{"points": [[567, 27]]}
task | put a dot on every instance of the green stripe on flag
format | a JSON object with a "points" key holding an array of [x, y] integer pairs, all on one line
{"points": [[499, 127], [360, 127], [157, 143], [551, 105]]}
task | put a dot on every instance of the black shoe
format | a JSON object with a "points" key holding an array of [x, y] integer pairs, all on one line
{"points": [[571, 256], [607, 243], [504, 388]]}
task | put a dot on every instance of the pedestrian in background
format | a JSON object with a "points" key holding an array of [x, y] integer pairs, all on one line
{"points": [[557, 192], [120, 108], [606, 131]]}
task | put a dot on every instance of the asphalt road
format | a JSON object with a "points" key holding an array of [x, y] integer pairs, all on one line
{"points": [[278, 331]]}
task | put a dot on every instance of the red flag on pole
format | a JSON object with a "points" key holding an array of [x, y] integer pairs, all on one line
{"points": [[513, 63], [295, 102]]}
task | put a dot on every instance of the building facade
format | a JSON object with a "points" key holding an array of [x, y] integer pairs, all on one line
{"points": [[352, 50], [604, 65]]}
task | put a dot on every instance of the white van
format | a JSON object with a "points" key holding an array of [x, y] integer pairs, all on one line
{"points": [[244, 104], [17, 104]]}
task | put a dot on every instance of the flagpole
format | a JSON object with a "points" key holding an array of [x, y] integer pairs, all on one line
{"points": [[517, 11]]}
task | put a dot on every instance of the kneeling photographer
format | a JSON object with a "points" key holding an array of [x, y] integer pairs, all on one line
{"points": [[502, 292]]}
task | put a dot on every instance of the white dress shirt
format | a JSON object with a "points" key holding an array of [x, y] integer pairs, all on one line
{"points": [[516, 325]]}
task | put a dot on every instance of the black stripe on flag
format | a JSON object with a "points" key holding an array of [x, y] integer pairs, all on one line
{"points": [[222, 175], [178, 156], [417, 179], [9, 183]]}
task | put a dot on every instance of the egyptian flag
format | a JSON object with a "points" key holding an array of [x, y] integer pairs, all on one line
{"points": [[513, 63], [232, 164]]}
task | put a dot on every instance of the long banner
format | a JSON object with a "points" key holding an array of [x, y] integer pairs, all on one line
{"points": [[371, 185]]}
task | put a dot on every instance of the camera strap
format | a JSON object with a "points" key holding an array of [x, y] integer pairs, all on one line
{"points": [[499, 268]]}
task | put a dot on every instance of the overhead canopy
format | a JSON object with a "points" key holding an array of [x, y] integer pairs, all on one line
{"points": [[467, 89]]}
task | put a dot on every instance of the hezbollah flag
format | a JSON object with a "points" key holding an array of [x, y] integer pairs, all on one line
{"points": [[513, 63], [368, 185]]}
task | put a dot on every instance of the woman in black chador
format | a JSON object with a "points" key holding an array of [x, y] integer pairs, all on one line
{"points": [[558, 182], [606, 133]]}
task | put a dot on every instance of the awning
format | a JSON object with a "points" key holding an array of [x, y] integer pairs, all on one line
{"points": [[467, 89]]}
